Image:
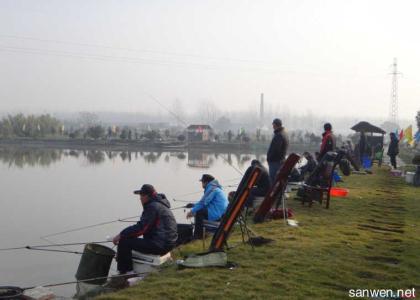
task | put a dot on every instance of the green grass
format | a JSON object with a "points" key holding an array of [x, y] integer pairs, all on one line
{"points": [[369, 240]]}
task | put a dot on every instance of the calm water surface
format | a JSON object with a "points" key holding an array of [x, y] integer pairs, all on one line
{"points": [[47, 191]]}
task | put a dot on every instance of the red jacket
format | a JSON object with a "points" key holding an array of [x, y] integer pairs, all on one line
{"points": [[328, 143]]}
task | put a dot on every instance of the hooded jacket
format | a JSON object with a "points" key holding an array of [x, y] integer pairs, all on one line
{"points": [[157, 223], [214, 199]]}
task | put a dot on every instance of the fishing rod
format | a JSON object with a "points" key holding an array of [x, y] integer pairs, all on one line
{"points": [[178, 200], [88, 226], [199, 192], [83, 280], [55, 250], [51, 245], [179, 207]]}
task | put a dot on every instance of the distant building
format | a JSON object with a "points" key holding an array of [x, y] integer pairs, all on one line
{"points": [[199, 133]]}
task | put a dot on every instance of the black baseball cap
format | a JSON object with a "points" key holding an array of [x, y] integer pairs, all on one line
{"points": [[146, 189], [206, 178]]}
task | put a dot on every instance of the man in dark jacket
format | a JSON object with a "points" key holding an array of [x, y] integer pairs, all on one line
{"points": [[261, 187], [393, 149], [157, 225], [278, 148], [328, 141], [309, 167]]}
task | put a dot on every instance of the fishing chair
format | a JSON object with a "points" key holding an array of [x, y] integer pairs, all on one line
{"points": [[233, 214], [213, 226], [277, 190], [209, 227], [318, 185]]}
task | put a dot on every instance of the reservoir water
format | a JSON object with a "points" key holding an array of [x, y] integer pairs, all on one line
{"points": [[45, 192]]}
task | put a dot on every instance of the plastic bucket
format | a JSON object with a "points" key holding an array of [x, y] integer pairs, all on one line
{"points": [[95, 263], [367, 162], [409, 177], [11, 292], [338, 192]]}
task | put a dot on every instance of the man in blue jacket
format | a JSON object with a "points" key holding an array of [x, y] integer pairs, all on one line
{"points": [[210, 207], [157, 225]]}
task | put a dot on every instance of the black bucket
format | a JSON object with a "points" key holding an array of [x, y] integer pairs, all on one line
{"points": [[95, 263], [185, 233], [11, 293]]}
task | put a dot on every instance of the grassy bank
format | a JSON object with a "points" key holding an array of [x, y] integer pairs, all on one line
{"points": [[369, 240]]}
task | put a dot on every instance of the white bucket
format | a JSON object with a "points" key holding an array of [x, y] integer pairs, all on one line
{"points": [[147, 263], [409, 177]]}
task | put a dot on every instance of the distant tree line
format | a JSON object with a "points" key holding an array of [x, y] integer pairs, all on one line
{"points": [[30, 126]]}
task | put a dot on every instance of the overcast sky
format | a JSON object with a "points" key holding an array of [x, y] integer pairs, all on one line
{"points": [[326, 57]]}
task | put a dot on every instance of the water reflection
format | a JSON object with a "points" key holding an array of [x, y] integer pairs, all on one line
{"points": [[31, 157], [94, 157], [198, 159]]}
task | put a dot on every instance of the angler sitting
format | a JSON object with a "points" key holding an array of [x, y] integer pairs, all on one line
{"points": [[157, 225], [309, 167], [210, 207], [261, 187]]}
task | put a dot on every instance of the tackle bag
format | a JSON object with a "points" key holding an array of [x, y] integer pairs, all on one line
{"points": [[203, 260]]}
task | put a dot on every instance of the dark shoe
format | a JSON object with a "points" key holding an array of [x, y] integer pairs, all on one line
{"points": [[119, 280]]}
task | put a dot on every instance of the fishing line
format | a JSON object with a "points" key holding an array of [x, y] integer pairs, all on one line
{"points": [[55, 243], [229, 163], [185, 123]]}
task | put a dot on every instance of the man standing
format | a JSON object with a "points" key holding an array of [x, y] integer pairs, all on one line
{"points": [[210, 207], [157, 225], [393, 149], [278, 148], [328, 141]]}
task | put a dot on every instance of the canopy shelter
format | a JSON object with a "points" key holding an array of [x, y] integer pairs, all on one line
{"points": [[367, 127], [374, 139]]}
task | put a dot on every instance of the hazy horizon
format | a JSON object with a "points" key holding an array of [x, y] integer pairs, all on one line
{"points": [[329, 58]]}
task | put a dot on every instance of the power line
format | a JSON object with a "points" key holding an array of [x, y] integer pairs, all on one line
{"points": [[135, 50], [125, 59]]}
